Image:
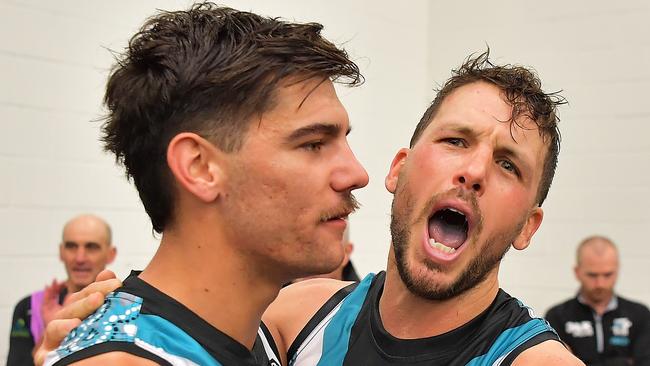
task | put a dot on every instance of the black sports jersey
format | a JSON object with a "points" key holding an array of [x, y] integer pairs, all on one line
{"points": [[347, 330], [621, 336], [141, 320], [27, 328]]}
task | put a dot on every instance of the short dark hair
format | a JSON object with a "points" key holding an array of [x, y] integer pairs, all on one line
{"points": [[207, 70], [523, 91]]}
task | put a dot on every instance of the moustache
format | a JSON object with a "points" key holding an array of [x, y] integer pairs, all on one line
{"points": [[348, 205]]}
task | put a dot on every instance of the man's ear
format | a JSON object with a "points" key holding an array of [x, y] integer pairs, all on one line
{"points": [[530, 227], [112, 252], [395, 168], [61, 252], [197, 165]]}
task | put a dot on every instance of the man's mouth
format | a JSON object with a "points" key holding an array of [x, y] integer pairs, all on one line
{"points": [[336, 216], [81, 270], [448, 229]]}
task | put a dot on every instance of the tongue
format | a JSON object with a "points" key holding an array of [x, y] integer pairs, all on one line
{"points": [[452, 236]]}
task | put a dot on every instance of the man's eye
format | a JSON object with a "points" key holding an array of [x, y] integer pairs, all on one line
{"points": [[313, 146], [509, 166], [455, 141], [92, 247]]}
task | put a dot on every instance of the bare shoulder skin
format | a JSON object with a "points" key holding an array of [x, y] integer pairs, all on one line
{"points": [[115, 358], [295, 306], [547, 353]]}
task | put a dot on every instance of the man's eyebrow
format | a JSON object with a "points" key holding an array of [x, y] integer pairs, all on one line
{"points": [[459, 129], [325, 129]]}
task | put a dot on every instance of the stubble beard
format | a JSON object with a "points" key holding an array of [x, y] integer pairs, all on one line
{"points": [[421, 284]]}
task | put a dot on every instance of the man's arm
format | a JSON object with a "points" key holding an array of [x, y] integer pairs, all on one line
{"points": [[550, 352], [21, 342], [294, 307]]}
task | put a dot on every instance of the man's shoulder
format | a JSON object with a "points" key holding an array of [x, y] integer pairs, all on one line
{"points": [[24, 303], [299, 302], [550, 352], [115, 321], [631, 304]]}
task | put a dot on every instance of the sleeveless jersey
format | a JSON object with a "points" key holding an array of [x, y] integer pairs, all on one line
{"points": [[348, 331], [141, 320]]}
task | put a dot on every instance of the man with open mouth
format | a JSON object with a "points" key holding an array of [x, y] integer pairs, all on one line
{"points": [[469, 187]]}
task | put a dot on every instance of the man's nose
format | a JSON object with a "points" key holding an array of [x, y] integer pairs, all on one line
{"points": [[351, 174], [473, 171]]}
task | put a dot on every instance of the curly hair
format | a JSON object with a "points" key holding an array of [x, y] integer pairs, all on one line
{"points": [[207, 70], [522, 89]]}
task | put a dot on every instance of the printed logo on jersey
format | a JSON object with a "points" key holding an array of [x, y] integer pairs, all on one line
{"points": [[19, 329], [579, 329], [621, 327], [273, 363]]}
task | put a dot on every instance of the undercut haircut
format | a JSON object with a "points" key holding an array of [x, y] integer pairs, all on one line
{"points": [[522, 89], [208, 70]]}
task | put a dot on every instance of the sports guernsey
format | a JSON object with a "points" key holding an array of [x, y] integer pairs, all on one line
{"points": [[621, 336], [348, 331], [141, 320], [27, 327]]}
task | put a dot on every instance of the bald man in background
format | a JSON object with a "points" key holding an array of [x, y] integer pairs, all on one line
{"points": [[600, 327], [85, 250]]}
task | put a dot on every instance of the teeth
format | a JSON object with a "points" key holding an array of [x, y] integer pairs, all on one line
{"points": [[441, 247], [455, 210]]}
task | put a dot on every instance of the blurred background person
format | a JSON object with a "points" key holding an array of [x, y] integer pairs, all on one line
{"points": [[85, 250], [600, 327]]}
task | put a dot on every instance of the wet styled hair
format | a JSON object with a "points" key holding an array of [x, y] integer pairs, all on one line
{"points": [[207, 70]]}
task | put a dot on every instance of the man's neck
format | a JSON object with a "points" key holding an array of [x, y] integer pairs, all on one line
{"points": [[213, 281], [599, 307], [408, 316]]}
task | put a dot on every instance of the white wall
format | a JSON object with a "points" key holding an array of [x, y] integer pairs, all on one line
{"points": [[53, 68], [599, 53]]}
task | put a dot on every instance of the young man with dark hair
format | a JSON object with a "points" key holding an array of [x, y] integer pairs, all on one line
{"points": [[213, 112]]}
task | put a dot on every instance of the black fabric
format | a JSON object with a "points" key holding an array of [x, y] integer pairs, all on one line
{"points": [[456, 347], [565, 317], [269, 338], [371, 344], [21, 340], [107, 347], [320, 314], [219, 345], [349, 273]]}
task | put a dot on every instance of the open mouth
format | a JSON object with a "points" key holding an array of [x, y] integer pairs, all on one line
{"points": [[448, 230]]}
